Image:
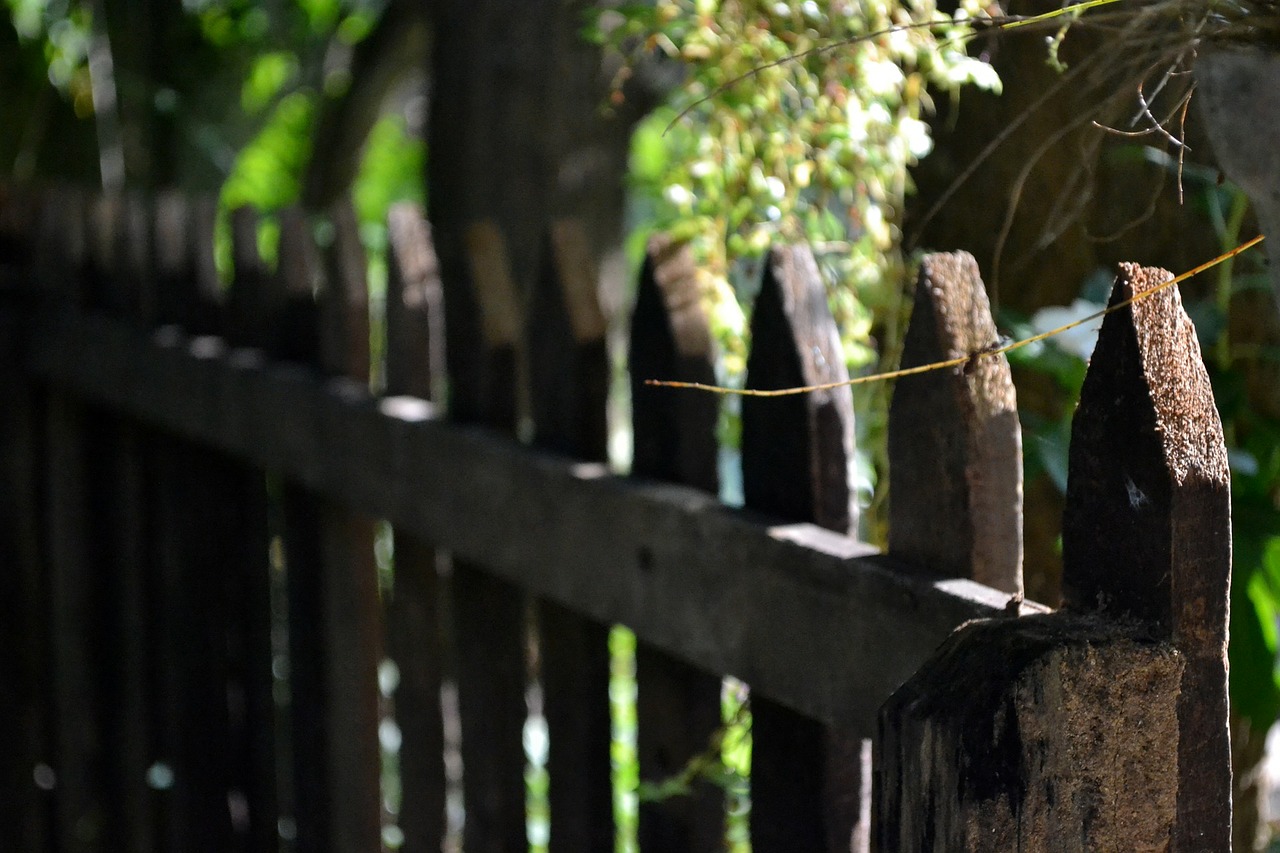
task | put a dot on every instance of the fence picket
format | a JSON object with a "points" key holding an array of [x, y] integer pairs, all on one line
{"points": [[955, 444], [1146, 532], [123, 540], [415, 633], [335, 630], [677, 706], [210, 517], [797, 457], [490, 615], [569, 383], [24, 663], [1049, 746]]}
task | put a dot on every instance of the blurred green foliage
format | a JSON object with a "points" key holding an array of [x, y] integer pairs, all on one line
{"points": [[796, 121]]}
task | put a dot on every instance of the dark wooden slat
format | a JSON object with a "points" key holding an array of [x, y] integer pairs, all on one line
{"points": [[569, 381], [797, 458], [489, 613], [236, 504], [415, 366], [722, 589], [210, 523], [352, 611], [289, 294], [23, 665], [334, 620], [123, 541], [955, 444], [677, 707], [1147, 526], [81, 817]]}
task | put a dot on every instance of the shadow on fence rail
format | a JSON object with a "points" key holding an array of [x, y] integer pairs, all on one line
{"points": [[194, 618]]}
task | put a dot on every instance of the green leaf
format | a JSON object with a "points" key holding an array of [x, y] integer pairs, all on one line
{"points": [[1254, 689]]}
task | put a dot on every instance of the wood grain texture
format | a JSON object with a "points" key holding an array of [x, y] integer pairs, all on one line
{"points": [[955, 444], [726, 590], [1147, 526]]}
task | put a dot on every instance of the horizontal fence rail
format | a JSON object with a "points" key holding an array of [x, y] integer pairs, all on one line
{"points": [[720, 588]]}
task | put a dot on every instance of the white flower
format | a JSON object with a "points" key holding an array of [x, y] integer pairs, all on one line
{"points": [[916, 134], [882, 78], [678, 195]]}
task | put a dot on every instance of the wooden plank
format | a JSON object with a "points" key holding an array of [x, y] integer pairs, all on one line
{"points": [[76, 631], [797, 462], [351, 611], [955, 444], [335, 630], [236, 509], [569, 382], [489, 613], [415, 633], [212, 573], [120, 494], [677, 707], [1147, 526], [24, 813], [81, 819], [726, 590]]}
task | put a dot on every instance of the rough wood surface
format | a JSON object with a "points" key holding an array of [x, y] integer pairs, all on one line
{"points": [[569, 389], [677, 707], [1023, 734], [1147, 527], [415, 631], [797, 464], [955, 444], [770, 603]]}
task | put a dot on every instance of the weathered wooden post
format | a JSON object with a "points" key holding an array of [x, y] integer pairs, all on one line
{"points": [[1102, 726]]}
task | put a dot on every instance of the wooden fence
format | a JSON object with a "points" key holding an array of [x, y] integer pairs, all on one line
{"points": [[192, 475]]}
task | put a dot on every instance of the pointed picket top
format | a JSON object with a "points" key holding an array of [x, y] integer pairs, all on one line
{"points": [[675, 434], [797, 451], [1147, 526], [344, 298], [565, 340], [955, 445], [415, 306]]}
